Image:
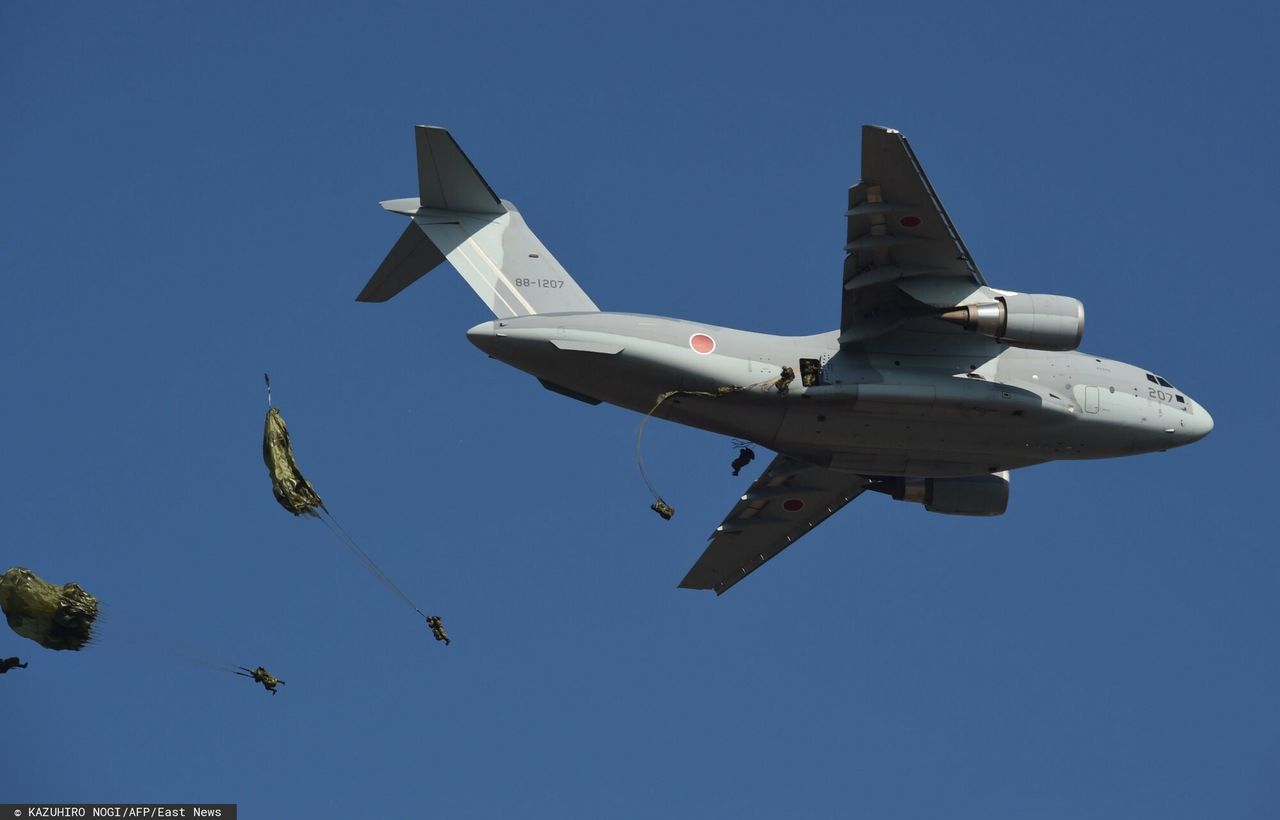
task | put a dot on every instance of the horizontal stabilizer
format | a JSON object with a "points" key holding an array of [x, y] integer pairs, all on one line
{"points": [[412, 257]]}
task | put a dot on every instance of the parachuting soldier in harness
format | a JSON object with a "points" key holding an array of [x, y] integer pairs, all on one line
{"points": [[745, 456], [262, 676], [437, 628], [663, 509], [11, 663]]}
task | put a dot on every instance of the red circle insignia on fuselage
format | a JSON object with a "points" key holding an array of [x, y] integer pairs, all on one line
{"points": [[702, 343], [909, 222], [793, 505]]}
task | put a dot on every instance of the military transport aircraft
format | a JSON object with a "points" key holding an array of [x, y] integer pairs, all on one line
{"points": [[935, 386]]}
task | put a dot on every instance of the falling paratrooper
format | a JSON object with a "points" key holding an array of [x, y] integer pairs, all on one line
{"points": [[269, 681], [437, 628], [54, 616], [296, 494], [63, 617]]}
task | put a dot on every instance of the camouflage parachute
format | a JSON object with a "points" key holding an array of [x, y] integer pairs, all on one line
{"points": [[56, 617], [293, 491]]}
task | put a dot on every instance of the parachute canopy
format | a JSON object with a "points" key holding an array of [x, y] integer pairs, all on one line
{"points": [[56, 617], [293, 491]]}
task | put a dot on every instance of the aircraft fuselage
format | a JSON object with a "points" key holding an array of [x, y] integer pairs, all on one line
{"points": [[953, 405]]}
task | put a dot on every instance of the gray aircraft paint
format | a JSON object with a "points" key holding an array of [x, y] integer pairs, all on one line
{"points": [[903, 393], [872, 408]]}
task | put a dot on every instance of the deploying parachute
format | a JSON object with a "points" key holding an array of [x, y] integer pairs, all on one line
{"points": [[296, 495], [292, 490], [56, 617]]}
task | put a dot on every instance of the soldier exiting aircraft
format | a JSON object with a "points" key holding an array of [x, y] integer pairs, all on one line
{"points": [[11, 663], [785, 378]]}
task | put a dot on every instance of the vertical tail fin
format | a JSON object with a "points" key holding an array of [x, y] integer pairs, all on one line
{"points": [[458, 217]]}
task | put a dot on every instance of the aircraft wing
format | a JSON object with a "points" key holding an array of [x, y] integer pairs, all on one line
{"points": [[788, 500], [896, 229]]}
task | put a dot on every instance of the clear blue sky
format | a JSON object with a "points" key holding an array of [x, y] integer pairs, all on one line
{"points": [[188, 197]]}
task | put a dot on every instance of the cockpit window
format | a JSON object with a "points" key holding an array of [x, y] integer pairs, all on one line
{"points": [[1152, 379], [1162, 382], [1178, 396]]}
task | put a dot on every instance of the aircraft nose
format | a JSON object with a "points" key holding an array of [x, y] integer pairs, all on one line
{"points": [[484, 336], [1201, 422]]}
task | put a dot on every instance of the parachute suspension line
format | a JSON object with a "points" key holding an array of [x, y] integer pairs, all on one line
{"points": [[267, 378], [129, 634], [660, 506], [363, 557], [359, 555], [347, 541], [644, 474]]}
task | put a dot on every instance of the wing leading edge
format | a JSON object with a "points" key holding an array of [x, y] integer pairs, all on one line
{"points": [[789, 499]]}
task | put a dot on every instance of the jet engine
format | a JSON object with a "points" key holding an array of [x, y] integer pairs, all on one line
{"points": [[967, 495], [1035, 320]]}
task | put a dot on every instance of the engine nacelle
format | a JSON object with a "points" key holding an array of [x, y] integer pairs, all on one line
{"points": [[968, 495], [1035, 320]]}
